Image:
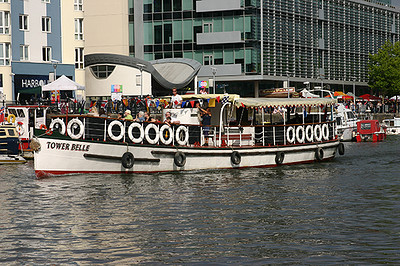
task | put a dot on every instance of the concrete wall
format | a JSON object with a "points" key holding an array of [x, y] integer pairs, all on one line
{"points": [[106, 26]]}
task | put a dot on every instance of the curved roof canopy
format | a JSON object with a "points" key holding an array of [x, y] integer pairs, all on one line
{"points": [[169, 73]]}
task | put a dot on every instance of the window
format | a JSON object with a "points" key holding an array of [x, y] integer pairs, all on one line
{"points": [[78, 29], [4, 1], [24, 52], [23, 22], [46, 53], [208, 60], [4, 22], [79, 63], [78, 5], [46, 1], [102, 71], [46, 24], [5, 57], [207, 27]]}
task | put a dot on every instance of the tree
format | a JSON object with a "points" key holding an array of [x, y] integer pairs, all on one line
{"points": [[384, 69]]}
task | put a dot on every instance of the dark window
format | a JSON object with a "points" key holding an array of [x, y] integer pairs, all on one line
{"points": [[177, 47], [187, 14], [157, 48], [167, 15], [131, 18], [148, 48], [218, 61], [147, 17], [131, 49], [11, 133], [168, 47], [197, 29], [177, 15], [177, 5], [187, 46], [102, 71], [157, 6], [148, 8], [168, 55], [157, 16], [178, 55], [158, 34], [158, 56], [168, 33], [167, 5]]}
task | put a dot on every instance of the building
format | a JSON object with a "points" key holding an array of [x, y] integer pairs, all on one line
{"points": [[38, 40]]}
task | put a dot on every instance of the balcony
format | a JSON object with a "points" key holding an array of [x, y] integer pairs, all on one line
{"points": [[219, 37], [217, 5]]}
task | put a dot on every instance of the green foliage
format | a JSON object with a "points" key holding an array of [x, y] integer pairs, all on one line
{"points": [[384, 69]]}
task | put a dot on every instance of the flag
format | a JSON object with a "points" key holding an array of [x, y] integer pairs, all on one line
{"points": [[225, 99], [218, 99], [192, 103], [157, 103], [211, 103]]}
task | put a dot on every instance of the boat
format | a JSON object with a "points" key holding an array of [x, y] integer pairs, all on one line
{"points": [[243, 133], [392, 126], [9, 142], [370, 130], [25, 118]]}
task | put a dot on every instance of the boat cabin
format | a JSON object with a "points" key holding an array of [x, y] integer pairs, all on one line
{"points": [[8, 140], [369, 130]]}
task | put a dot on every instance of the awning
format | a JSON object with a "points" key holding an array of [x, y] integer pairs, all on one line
{"points": [[63, 84], [232, 97], [35, 90], [276, 102]]}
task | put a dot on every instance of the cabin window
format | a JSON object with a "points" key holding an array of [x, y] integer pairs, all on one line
{"points": [[39, 113], [12, 111], [20, 113], [350, 115], [339, 121], [365, 126], [2, 132], [11, 132]]}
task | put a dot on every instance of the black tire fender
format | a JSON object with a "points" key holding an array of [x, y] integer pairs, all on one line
{"points": [[341, 148], [319, 154], [180, 159], [236, 158], [279, 157], [128, 160]]}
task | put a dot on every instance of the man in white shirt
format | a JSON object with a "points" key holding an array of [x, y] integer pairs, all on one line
{"points": [[176, 99]]}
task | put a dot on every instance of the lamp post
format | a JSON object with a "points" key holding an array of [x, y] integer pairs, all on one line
{"points": [[321, 76], [55, 64], [141, 66], [288, 83], [354, 91], [214, 72]]}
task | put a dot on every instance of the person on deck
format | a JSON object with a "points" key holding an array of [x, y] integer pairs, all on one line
{"points": [[128, 115], [176, 99]]}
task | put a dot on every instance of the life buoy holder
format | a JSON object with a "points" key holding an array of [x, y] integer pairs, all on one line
{"points": [[121, 133], [319, 154], [300, 131], [180, 159], [290, 135], [146, 134], [325, 131], [169, 136], [236, 158], [318, 133], [279, 157], [11, 118], [341, 148], [60, 122], [75, 123], [42, 126], [178, 135], [128, 160], [130, 133], [309, 133]]}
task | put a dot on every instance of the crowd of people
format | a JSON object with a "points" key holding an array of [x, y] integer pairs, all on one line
{"points": [[374, 107]]}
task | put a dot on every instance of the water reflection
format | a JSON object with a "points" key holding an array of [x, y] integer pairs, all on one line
{"points": [[344, 211]]}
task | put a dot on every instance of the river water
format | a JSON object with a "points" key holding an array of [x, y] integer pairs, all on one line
{"points": [[346, 211]]}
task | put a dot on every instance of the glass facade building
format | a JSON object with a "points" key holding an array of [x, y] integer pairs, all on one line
{"points": [[266, 41]]}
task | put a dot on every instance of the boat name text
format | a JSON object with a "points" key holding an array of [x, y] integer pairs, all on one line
{"points": [[67, 146]]}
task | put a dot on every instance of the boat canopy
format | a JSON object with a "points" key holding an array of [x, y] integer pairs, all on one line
{"points": [[276, 102], [232, 97]]}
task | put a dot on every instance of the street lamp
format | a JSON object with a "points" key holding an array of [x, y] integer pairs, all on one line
{"points": [[288, 83], [55, 64], [141, 66], [214, 71], [321, 76], [354, 91]]}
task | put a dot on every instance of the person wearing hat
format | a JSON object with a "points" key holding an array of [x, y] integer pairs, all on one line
{"points": [[128, 115]]}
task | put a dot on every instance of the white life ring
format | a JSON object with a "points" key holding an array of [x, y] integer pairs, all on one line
{"points": [[325, 131], [318, 133], [58, 121], [75, 123], [289, 138], [169, 138], [309, 133], [303, 135], [122, 130], [178, 134], [146, 134], [130, 133]]}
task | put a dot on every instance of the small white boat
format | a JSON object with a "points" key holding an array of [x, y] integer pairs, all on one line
{"points": [[346, 122], [392, 126], [9, 143], [243, 133]]}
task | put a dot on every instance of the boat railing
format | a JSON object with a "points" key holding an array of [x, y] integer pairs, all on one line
{"points": [[125, 131]]}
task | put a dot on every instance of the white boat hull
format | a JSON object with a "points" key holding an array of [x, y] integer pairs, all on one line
{"points": [[79, 156]]}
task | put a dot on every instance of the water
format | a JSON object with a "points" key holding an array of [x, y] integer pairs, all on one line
{"points": [[346, 211]]}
